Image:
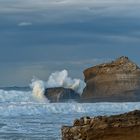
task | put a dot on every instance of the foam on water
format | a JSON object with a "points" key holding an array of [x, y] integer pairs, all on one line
{"points": [[16, 103], [15, 96], [29, 115], [24, 116]]}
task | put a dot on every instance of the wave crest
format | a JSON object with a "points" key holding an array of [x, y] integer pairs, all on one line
{"points": [[56, 79]]}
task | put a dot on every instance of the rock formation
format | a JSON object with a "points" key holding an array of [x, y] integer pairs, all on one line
{"points": [[115, 81], [117, 127], [60, 94]]}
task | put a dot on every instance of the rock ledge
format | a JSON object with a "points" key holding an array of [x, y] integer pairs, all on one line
{"points": [[117, 127]]}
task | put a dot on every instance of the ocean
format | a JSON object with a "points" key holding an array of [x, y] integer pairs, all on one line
{"points": [[24, 117]]}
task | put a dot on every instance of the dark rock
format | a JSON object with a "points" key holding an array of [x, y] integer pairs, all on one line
{"points": [[60, 94], [118, 127], [115, 81], [82, 121]]}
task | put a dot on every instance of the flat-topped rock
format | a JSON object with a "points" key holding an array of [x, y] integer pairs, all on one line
{"points": [[118, 127], [118, 80], [120, 65]]}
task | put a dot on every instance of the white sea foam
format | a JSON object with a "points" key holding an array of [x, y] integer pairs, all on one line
{"points": [[36, 108], [62, 79], [56, 79], [38, 87], [15, 96], [15, 103]]}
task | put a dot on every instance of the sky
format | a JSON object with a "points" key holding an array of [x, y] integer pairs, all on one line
{"points": [[38, 37]]}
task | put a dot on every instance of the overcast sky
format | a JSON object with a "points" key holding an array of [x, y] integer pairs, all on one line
{"points": [[38, 37]]}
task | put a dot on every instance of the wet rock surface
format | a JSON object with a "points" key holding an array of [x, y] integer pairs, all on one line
{"points": [[117, 127], [60, 94], [115, 81]]}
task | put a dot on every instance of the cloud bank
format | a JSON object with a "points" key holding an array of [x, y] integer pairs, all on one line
{"points": [[65, 34], [102, 7]]}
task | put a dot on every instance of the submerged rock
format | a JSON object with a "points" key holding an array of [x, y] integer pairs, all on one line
{"points": [[60, 94], [115, 81], [118, 127]]}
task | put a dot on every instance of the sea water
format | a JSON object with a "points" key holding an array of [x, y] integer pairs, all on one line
{"points": [[23, 117]]}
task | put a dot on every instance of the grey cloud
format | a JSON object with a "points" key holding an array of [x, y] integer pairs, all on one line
{"points": [[64, 34], [79, 10]]}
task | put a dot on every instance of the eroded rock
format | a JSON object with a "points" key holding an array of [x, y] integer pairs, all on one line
{"points": [[115, 81], [118, 127]]}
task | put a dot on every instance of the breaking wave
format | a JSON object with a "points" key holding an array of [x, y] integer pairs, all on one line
{"points": [[43, 109], [17, 103], [8, 96], [56, 79]]}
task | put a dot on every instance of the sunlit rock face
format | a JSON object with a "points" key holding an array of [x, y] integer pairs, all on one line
{"points": [[118, 127], [60, 94], [115, 81]]}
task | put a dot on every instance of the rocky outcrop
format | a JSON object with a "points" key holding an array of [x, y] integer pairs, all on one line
{"points": [[60, 94], [118, 127], [115, 81]]}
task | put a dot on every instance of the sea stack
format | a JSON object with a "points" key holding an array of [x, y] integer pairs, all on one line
{"points": [[115, 81], [118, 127]]}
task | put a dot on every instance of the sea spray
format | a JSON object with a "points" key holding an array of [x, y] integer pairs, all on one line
{"points": [[62, 79], [38, 87], [56, 79]]}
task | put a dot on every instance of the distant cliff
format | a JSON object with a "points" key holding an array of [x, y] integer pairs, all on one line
{"points": [[115, 81]]}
